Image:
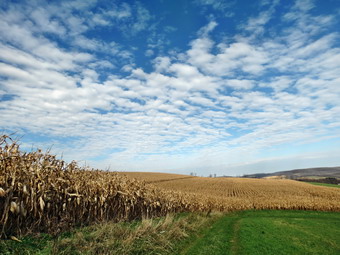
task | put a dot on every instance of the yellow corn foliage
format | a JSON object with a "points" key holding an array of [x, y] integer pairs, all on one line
{"points": [[41, 193], [227, 194]]}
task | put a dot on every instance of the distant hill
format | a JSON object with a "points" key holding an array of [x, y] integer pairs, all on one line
{"points": [[319, 172]]}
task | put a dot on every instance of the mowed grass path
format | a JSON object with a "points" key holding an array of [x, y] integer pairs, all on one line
{"points": [[247, 232], [270, 232]]}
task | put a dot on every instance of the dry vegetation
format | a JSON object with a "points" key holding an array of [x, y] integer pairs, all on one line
{"points": [[152, 177], [150, 236], [39, 193], [241, 193]]}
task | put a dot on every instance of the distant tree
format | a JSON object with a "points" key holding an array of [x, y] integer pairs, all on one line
{"points": [[331, 180]]}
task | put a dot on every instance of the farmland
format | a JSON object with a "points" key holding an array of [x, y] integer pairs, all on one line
{"points": [[228, 194], [40, 193]]}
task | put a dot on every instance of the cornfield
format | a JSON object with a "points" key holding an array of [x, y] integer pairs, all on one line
{"points": [[40, 193], [227, 194]]}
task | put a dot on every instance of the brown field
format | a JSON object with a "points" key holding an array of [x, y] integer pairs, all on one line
{"points": [[151, 177], [40, 193], [243, 193]]}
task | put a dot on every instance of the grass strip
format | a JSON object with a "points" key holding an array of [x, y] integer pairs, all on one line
{"points": [[290, 233], [271, 232], [247, 232], [325, 184], [166, 235], [215, 239]]}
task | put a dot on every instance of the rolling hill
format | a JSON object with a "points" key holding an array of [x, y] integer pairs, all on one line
{"points": [[319, 172]]}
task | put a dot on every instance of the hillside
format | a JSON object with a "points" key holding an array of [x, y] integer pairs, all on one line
{"points": [[319, 172]]}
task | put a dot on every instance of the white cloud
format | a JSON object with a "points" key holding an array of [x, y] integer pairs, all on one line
{"points": [[91, 44], [199, 54], [218, 5], [137, 22], [185, 71], [45, 24], [240, 84], [204, 31], [231, 58], [162, 64], [11, 71], [317, 46], [120, 12], [149, 53], [201, 101], [304, 5], [219, 99], [278, 83], [256, 25]]}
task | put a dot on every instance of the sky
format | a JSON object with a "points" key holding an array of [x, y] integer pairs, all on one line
{"points": [[205, 86]]}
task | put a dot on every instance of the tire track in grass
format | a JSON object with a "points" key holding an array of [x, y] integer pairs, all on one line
{"points": [[234, 249], [216, 239], [270, 232]]}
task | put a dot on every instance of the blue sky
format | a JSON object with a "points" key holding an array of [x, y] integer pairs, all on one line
{"points": [[205, 86]]}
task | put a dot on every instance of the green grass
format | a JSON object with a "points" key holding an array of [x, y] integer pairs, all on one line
{"points": [[248, 232], [325, 184], [156, 236], [210, 238], [39, 244], [289, 233], [271, 232]]}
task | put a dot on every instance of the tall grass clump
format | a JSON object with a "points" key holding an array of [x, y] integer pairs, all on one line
{"points": [[149, 236]]}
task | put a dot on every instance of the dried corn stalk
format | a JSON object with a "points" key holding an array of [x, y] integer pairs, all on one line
{"points": [[39, 192]]}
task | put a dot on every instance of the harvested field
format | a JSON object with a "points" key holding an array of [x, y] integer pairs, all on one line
{"points": [[150, 177], [242, 193]]}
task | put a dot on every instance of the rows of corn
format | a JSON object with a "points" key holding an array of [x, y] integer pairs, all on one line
{"points": [[40, 193], [229, 194]]}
